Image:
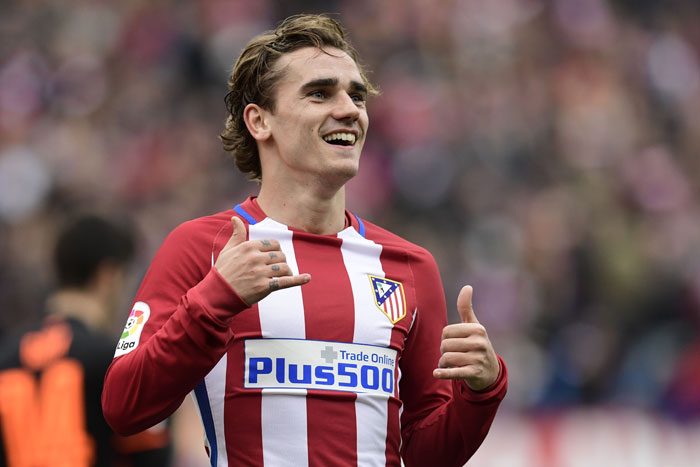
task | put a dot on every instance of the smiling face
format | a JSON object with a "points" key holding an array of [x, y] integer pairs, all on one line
{"points": [[319, 122]]}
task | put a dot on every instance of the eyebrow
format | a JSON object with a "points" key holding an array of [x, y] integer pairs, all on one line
{"points": [[332, 82]]}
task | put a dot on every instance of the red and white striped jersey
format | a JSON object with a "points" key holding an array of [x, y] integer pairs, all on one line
{"points": [[335, 372]]}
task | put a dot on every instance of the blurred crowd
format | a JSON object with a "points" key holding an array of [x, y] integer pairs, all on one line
{"points": [[545, 151]]}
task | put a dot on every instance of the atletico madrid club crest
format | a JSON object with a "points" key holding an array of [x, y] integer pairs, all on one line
{"points": [[389, 297]]}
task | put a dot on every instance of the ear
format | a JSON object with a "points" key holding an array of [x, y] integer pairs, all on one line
{"points": [[255, 118]]}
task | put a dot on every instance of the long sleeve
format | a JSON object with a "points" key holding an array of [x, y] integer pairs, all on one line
{"points": [[184, 336], [443, 422]]}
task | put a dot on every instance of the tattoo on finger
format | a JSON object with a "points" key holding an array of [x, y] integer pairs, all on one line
{"points": [[274, 284], [275, 267], [265, 242], [273, 255]]}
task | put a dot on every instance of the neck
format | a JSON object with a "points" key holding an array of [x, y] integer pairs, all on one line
{"points": [[78, 304], [304, 210]]}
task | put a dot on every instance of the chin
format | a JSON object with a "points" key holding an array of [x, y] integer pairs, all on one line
{"points": [[349, 168], [341, 173]]}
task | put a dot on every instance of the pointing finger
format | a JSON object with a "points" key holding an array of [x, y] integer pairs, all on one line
{"points": [[286, 282]]}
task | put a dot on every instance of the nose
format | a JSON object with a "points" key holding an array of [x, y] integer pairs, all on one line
{"points": [[345, 108]]}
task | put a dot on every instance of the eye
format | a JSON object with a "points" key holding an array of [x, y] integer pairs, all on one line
{"points": [[358, 98], [318, 94]]}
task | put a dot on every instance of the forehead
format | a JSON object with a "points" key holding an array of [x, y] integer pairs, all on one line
{"points": [[309, 63]]}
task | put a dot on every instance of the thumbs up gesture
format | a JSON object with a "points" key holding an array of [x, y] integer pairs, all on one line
{"points": [[466, 350], [255, 268]]}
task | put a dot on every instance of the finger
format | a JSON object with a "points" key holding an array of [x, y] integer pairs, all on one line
{"points": [[464, 305], [272, 257], [462, 330], [455, 373], [269, 244], [239, 233], [474, 344], [458, 359], [474, 375], [280, 269], [285, 282]]}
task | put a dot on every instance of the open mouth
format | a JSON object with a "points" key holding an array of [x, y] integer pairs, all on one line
{"points": [[340, 139]]}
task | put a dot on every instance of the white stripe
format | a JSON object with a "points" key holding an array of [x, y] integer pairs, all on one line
{"points": [[361, 257], [284, 428], [215, 383], [281, 313]]}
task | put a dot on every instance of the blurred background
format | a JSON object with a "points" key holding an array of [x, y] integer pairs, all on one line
{"points": [[546, 152]]}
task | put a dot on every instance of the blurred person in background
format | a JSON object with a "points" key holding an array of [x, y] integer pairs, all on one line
{"points": [[356, 366], [51, 375]]}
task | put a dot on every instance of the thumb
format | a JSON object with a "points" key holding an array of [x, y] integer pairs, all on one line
{"points": [[464, 305], [239, 233]]}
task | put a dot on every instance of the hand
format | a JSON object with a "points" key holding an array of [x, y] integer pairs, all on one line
{"points": [[467, 352], [255, 268]]}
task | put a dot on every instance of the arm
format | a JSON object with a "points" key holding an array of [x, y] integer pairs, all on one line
{"points": [[444, 422], [182, 339], [190, 305]]}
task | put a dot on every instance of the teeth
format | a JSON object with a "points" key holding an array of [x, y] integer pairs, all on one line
{"points": [[340, 136]]}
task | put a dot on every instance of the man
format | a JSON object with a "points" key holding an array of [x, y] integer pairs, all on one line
{"points": [[307, 335], [51, 375]]}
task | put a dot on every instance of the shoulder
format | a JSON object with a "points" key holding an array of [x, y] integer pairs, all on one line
{"points": [[200, 233], [189, 247], [203, 227], [415, 254]]}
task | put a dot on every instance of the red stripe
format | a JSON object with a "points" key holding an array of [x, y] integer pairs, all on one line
{"points": [[394, 307], [329, 315], [399, 303], [242, 420]]}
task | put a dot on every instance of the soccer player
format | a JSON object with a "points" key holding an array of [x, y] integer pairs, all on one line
{"points": [[307, 335], [51, 375]]}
